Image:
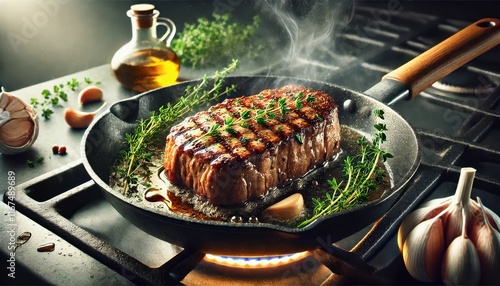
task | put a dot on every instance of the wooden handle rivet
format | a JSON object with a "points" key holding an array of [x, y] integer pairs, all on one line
{"points": [[486, 24]]}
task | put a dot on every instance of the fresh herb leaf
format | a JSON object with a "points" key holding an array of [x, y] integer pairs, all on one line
{"points": [[282, 106], [45, 93], [261, 120], [245, 114], [310, 98], [298, 100], [34, 102], [299, 138], [32, 163], [379, 113], [46, 113]]}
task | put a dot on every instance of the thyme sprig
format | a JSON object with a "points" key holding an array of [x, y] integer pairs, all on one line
{"points": [[137, 156], [362, 175], [271, 111]]}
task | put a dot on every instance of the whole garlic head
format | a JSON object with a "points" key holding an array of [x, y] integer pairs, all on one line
{"points": [[18, 124], [453, 239]]}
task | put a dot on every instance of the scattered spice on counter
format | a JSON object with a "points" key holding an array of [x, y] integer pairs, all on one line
{"points": [[49, 247], [62, 150]]}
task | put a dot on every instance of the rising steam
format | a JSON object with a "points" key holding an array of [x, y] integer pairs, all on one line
{"points": [[311, 30]]}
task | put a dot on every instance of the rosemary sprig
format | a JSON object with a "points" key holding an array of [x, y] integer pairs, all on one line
{"points": [[362, 175], [137, 156]]}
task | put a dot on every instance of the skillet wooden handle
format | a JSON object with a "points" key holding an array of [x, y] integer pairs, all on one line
{"points": [[452, 53]]}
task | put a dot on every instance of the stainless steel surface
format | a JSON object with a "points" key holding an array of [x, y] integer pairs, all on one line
{"points": [[95, 245]]}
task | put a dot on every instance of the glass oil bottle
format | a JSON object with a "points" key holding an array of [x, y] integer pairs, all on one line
{"points": [[146, 62]]}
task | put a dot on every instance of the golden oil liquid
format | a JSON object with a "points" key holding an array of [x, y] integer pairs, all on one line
{"points": [[148, 69]]}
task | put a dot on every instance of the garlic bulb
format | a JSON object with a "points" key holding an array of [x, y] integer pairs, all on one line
{"points": [[18, 124], [454, 239]]}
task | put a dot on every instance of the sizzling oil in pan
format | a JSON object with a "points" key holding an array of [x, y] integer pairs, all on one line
{"points": [[164, 196]]}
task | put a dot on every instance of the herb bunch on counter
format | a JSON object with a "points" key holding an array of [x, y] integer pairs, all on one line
{"points": [[216, 42]]}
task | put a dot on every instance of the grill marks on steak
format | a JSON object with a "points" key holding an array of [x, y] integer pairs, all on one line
{"points": [[251, 157]]}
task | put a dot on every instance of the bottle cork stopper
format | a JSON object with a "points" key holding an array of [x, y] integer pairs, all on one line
{"points": [[144, 15], [142, 9]]}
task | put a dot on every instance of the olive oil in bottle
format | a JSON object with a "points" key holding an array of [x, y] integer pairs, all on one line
{"points": [[146, 62]]}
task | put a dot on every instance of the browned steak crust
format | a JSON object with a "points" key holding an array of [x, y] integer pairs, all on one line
{"points": [[290, 130]]}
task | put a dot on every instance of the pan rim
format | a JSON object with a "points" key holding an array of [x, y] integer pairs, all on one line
{"points": [[178, 219]]}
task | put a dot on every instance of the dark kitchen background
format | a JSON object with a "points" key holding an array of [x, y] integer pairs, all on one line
{"points": [[45, 39]]}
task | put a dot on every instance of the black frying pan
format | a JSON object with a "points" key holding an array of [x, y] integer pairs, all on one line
{"points": [[104, 138]]}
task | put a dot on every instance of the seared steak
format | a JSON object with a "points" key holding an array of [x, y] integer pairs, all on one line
{"points": [[240, 148]]}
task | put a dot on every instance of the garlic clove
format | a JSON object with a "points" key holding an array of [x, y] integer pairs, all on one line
{"points": [[493, 218], [453, 223], [4, 99], [461, 260], [16, 133], [287, 208], [486, 240], [80, 119], [427, 211], [90, 94], [461, 263], [19, 114], [423, 250], [15, 105]]}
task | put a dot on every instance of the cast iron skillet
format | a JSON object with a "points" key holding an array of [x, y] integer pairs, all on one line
{"points": [[104, 138]]}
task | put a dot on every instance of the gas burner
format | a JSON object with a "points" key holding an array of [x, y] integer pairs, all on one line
{"points": [[298, 269], [462, 81], [256, 262]]}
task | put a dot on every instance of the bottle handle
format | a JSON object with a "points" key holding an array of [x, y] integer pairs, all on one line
{"points": [[171, 29]]}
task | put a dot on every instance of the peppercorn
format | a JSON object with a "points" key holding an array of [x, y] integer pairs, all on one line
{"points": [[62, 150]]}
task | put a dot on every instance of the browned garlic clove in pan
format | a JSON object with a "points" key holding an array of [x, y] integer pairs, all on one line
{"points": [[288, 208]]}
